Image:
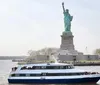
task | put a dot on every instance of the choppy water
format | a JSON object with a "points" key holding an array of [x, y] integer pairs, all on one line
{"points": [[6, 65]]}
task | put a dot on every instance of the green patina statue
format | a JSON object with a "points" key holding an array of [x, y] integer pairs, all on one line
{"points": [[67, 19]]}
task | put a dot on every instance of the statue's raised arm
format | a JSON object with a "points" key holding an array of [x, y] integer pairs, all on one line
{"points": [[63, 6]]}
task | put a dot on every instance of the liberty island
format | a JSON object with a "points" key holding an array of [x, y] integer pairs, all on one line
{"points": [[66, 51]]}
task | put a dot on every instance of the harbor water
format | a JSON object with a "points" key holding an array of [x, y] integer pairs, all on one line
{"points": [[6, 65]]}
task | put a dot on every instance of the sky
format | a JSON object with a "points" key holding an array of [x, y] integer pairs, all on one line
{"points": [[35, 24]]}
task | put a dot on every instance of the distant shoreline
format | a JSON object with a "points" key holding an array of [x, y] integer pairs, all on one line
{"points": [[12, 57], [87, 64]]}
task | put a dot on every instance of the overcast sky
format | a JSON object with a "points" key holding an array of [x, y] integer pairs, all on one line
{"points": [[35, 24]]}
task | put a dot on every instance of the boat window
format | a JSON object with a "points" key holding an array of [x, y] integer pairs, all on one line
{"points": [[48, 74], [61, 67], [72, 66], [46, 67], [32, 74], [29, 68], [37, 67], [69, 67], [27, 75], [33, 67], [12, 75], [56, 67], [63, 74], [44, 74], [22, 74], [35, 74], [23, 68], [43, 67]]}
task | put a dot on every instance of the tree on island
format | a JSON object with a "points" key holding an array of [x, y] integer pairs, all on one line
{"points": [[45, 51], [97, 51]]}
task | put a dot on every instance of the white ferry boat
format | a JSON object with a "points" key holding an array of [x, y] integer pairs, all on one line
{"points": [[51, 73]]}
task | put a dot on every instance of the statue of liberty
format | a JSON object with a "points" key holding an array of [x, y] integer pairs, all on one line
{"points": [[67, 19]]}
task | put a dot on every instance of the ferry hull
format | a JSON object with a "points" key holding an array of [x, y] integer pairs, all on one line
{"points": [[53, 81]]}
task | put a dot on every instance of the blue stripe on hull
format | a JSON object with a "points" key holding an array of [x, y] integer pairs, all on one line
{"points": [[53, 81]]}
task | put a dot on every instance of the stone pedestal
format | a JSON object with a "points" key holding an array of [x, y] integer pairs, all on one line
{"points": [[67, 41], [67, 51]]}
